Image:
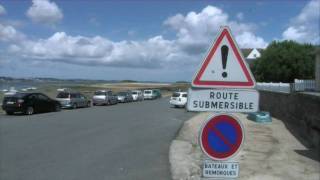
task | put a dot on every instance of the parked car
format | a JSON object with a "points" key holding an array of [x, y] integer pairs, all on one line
{"points": [[29, 103], [137, 95], [104, 97], [151, 94], [124, 97], [73, 100], [157, 92], [179, 99]]}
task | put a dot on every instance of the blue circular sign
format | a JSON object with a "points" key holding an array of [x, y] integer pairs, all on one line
{"points": [[221, 137]]}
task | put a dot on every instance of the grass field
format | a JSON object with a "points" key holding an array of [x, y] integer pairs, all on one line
{"points": [[89, 89]]}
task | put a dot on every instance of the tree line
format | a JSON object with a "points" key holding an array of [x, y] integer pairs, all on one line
{"points": [[285, 61]]}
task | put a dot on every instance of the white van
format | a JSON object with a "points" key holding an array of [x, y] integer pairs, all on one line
{"points": [[137, 95], [152, 94], [179, 99]]}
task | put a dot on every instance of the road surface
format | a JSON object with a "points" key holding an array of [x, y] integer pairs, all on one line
{"points": [[124, 141]]}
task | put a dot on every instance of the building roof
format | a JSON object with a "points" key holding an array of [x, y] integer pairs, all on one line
{"points": [[247, 51]]}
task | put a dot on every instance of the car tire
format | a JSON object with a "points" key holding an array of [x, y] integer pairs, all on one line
{"points": [[88, 104], [9, 112], [29, 110], [57, 108], [74, 106]]}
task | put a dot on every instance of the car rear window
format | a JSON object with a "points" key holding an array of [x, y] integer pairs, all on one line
{"points": [[14, 97], [99, 93], [10, 98], [175, 94], [184, 95], [63, 95], [147, 92], [122, 93], [75, 95], [134, 92]]}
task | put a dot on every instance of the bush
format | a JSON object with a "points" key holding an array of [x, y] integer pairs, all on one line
{"points": [[285, 61]]}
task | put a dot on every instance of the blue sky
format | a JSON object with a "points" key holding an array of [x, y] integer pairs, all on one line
{"points": [[140, 40]]}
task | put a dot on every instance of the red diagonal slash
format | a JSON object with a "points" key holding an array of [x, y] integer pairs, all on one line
{"points": [[221, 136]]}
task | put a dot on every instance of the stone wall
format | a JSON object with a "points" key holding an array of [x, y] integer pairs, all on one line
{"points": [[300, 112], [317, 69]]}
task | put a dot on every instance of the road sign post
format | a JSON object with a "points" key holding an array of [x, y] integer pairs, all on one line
{"points": [[223, 100], [221, 137], [222, 83], [220, 169], [224, 65]]}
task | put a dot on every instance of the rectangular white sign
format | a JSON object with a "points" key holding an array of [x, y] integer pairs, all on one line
{"points": [[220, 169], [223, 100]]}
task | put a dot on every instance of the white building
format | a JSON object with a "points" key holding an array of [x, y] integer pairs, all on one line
{"points": [[254, 54]]}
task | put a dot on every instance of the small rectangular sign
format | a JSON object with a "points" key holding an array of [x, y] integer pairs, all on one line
{"points": [[220, 169], [223, 100]]}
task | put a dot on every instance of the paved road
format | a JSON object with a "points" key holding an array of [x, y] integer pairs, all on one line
{"points": [[125, 141]]}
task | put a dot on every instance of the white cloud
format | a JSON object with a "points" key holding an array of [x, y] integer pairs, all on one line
{"points": [[305, 27], [10, 34], [248, 39], [194, 33], [200, 28], [44, 11], [97, 50], [2, 10], [240, 16]]}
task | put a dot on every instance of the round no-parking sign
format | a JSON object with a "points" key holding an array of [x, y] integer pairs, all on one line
{"points": [[221, 137]]}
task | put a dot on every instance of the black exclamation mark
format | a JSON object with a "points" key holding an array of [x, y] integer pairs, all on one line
{"points": [[224, 56]]}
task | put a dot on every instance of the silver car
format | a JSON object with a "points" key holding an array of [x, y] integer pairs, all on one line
{"points": [[124, 97], [137, 95], [72, 100], [104, 97]]}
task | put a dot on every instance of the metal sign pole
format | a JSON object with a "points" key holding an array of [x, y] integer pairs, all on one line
{"points": [[223, 83]]}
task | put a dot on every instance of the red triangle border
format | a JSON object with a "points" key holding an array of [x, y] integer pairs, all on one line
{"points": [[197, 82]]}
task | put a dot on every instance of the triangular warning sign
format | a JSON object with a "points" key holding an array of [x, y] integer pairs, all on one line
{"points": [[224, 65]]}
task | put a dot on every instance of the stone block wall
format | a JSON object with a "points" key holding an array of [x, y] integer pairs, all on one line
{"points": [[300, 112]]}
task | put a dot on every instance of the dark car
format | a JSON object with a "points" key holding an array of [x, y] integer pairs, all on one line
{"points": [[125, 97], [29, 103]]}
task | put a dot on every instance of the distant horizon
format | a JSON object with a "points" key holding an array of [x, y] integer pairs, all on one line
{"points": [[80, 79]]}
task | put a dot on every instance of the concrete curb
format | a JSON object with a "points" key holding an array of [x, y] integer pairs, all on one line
{"points": [[185, 155]]}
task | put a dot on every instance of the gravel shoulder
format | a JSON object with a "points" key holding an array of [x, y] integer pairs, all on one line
{"points": [[270, 151]]}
